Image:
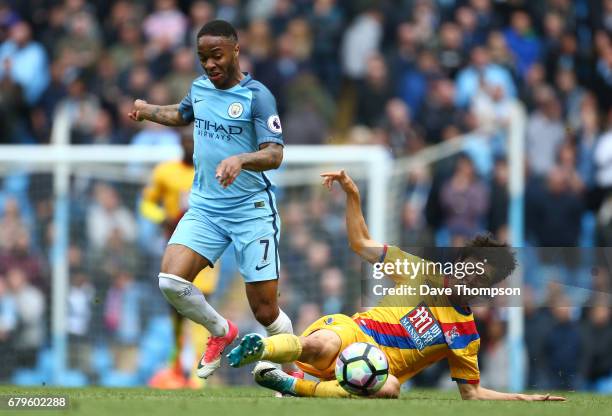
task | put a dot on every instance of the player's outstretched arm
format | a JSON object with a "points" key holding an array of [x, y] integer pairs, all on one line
{"points": [[477, 392], [168, 115], [269, 156], [358, 234]]}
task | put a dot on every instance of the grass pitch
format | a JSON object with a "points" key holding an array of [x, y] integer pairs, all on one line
{"points": [[259, 402]]}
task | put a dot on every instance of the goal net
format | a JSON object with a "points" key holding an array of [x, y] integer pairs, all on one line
{"points": [[83, 261]]}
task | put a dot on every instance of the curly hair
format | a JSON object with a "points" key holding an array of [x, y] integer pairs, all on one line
{"points": [[500, 255]]}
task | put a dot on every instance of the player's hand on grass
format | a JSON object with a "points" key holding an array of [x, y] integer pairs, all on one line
{"points": [[135, 114], [228, 170], [342, 178], [541, 398]]}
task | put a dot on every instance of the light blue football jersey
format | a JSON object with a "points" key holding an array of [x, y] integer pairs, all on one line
{"points": [[230, 122]]}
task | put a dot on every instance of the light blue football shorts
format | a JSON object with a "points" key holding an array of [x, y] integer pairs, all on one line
{"points": [[255, 241]]}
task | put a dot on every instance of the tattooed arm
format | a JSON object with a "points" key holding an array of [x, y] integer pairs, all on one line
{"points": [[168, 115], [269, 156]]}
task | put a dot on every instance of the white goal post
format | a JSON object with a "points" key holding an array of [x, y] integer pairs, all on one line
{"points": [[61, 159]]}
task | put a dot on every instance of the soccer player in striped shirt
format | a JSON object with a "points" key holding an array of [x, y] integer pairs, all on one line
{"points": [[413, 331]]}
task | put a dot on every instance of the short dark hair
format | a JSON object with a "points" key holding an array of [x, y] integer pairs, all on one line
{"points": [[219, 28], [497, 254]]}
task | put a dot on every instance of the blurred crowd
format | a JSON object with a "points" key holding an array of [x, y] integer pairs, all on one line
{"points": [[404, 74]]}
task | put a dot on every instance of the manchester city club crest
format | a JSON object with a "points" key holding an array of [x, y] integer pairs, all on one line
{"points": [[235, 110]]}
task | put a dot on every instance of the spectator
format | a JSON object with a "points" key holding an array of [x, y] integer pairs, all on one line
{"points": [[122, 14], [464, 200], [373, 92], [299, 35], [179, 80], [554, 27], [481, 70], [128, 48], [361, 39], [200, 12], [21, 255], [400, 136], [326, 21], [229, 10], [8, 17], [56, 89], [27, 62], [523, 42], [282, 14], [495, 355], [586, 137], [535, 78], [561, 364], [595, 360], [415, 83], [545, 132], [122, 320], [537, 322], [80, 302], [103, 130], [81, 46], [603, 77], [12, 224], [14, 110], [603, 157], [401, 57], [486, 17], [166, 26], [492, 108], [439, 111], [556, 208], [82, 108], [8, 324], [309, 112], [468, 21], [571, 95], [165, 30], [332, 291], [498, 198], [415, 231], [30, 306], [450, 51], [500, 53], [106, 214], [605, 18], [106, 84], [116, 256], [424, 20]]}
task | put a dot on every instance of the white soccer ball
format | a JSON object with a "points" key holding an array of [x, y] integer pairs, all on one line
{"points": [[362, 369]]}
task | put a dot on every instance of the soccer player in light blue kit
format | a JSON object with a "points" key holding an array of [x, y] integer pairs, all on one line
{"points": [[238, 136]]}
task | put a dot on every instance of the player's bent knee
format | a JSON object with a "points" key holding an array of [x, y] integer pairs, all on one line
{"points": [[265, 313], [312, 348], [320, 347]]}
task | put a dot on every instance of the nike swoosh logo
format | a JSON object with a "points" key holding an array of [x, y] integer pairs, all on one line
{"points": [[262, 267], [265, 371], [197, 101]]}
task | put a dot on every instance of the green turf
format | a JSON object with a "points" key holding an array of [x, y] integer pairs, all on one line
{"points": [[258, 402]]}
